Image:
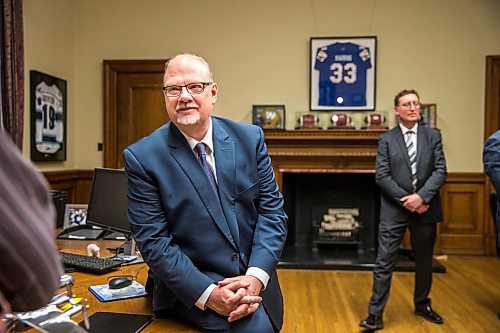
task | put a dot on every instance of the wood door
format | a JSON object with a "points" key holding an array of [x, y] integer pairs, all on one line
{"points": [[492, 96], [133, 104]]}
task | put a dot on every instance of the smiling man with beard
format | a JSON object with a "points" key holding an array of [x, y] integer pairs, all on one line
{"points": [[205, 210]]}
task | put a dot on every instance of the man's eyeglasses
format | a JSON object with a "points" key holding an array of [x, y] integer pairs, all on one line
{"points": [[192, 88], [408, 105]]}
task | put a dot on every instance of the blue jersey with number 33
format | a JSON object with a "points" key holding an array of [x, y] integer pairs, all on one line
{"points": [[342, 74]]}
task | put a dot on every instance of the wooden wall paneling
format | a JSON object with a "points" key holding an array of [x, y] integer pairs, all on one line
{"points": [[77, 183], [462, 230], [489, 223]]}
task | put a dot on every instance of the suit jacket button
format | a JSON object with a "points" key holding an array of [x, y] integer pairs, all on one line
{"points": [[234, 257]]}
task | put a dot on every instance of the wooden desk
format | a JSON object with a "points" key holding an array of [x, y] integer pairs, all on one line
{"points": [[141, 305]]}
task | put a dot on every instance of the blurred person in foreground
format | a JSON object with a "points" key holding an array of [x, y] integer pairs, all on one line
{"points": [[30, 264]]}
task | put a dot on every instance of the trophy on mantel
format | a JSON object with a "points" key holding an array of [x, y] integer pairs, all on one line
{"points": [[375, 121], [341, 121], [308, 121]]}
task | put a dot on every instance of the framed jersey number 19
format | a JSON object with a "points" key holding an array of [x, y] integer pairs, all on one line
{"points": [[343, 73], [48, 117]]}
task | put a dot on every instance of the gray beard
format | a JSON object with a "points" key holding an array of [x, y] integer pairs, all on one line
{"points": [[188, 119]]}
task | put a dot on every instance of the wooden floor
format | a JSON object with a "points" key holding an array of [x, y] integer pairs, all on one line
{"points": [[467, 297], [325, 301]]}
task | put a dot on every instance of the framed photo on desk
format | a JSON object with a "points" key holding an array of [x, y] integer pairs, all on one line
{"points": [[75, 215]]}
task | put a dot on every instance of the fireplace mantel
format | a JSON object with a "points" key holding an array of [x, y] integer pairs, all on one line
{"points": [[322, 151]]}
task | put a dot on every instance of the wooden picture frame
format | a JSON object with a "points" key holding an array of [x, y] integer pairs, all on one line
{"points": [[269, 116], [342, 73], [428, 115], [48, 117], [75, 215]]}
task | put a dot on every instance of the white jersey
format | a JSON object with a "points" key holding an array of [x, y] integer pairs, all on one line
{"points": [[49, 126]]}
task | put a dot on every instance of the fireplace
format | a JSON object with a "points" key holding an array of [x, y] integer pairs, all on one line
{"points": [[308, 197], [321, 169], [317, 170]]}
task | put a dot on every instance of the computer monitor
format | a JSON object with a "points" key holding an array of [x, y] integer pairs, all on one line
{"points": [[108, 204]]}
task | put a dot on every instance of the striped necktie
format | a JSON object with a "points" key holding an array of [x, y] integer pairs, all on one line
{"points": [[202, 158], [412, 153]]}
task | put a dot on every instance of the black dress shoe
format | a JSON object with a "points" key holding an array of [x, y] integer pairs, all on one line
{"points": [[372, 322], [429, 314]]}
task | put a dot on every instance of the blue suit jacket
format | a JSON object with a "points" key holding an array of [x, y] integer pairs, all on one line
{"points": [[491, 160], [189, 238], [393, 173]]}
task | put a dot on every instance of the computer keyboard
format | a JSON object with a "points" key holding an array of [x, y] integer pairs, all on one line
{"points": [[89, 264]]}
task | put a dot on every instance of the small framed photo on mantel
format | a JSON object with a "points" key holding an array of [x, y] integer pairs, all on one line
{"points": [[428, 115], [269, 116]]}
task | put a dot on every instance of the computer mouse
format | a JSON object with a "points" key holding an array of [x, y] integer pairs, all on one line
{"points": [[119, 282]]}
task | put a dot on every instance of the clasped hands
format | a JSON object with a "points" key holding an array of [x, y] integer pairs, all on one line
{"points": [[414, 203], [236, 297]]}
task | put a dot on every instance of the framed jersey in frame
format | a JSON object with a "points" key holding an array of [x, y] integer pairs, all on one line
{"points": [[343, 73], [48, 117]]}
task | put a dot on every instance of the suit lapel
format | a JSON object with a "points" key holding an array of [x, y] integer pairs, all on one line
{"points": [[181, 152], [225, 160]]}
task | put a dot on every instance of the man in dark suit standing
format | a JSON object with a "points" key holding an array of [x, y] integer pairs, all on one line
{"points": [[491, 161], [205, 210], [410, 169]]}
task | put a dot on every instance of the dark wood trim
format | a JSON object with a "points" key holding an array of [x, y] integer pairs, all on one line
{"points": [[492, 96], [111, 71]]}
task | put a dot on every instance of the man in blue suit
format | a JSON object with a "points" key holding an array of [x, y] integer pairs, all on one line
{"points": [[410, 169], [205, 210]]}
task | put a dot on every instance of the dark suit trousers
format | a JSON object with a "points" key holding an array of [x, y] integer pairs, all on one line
{"points": [[390, 235]]}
